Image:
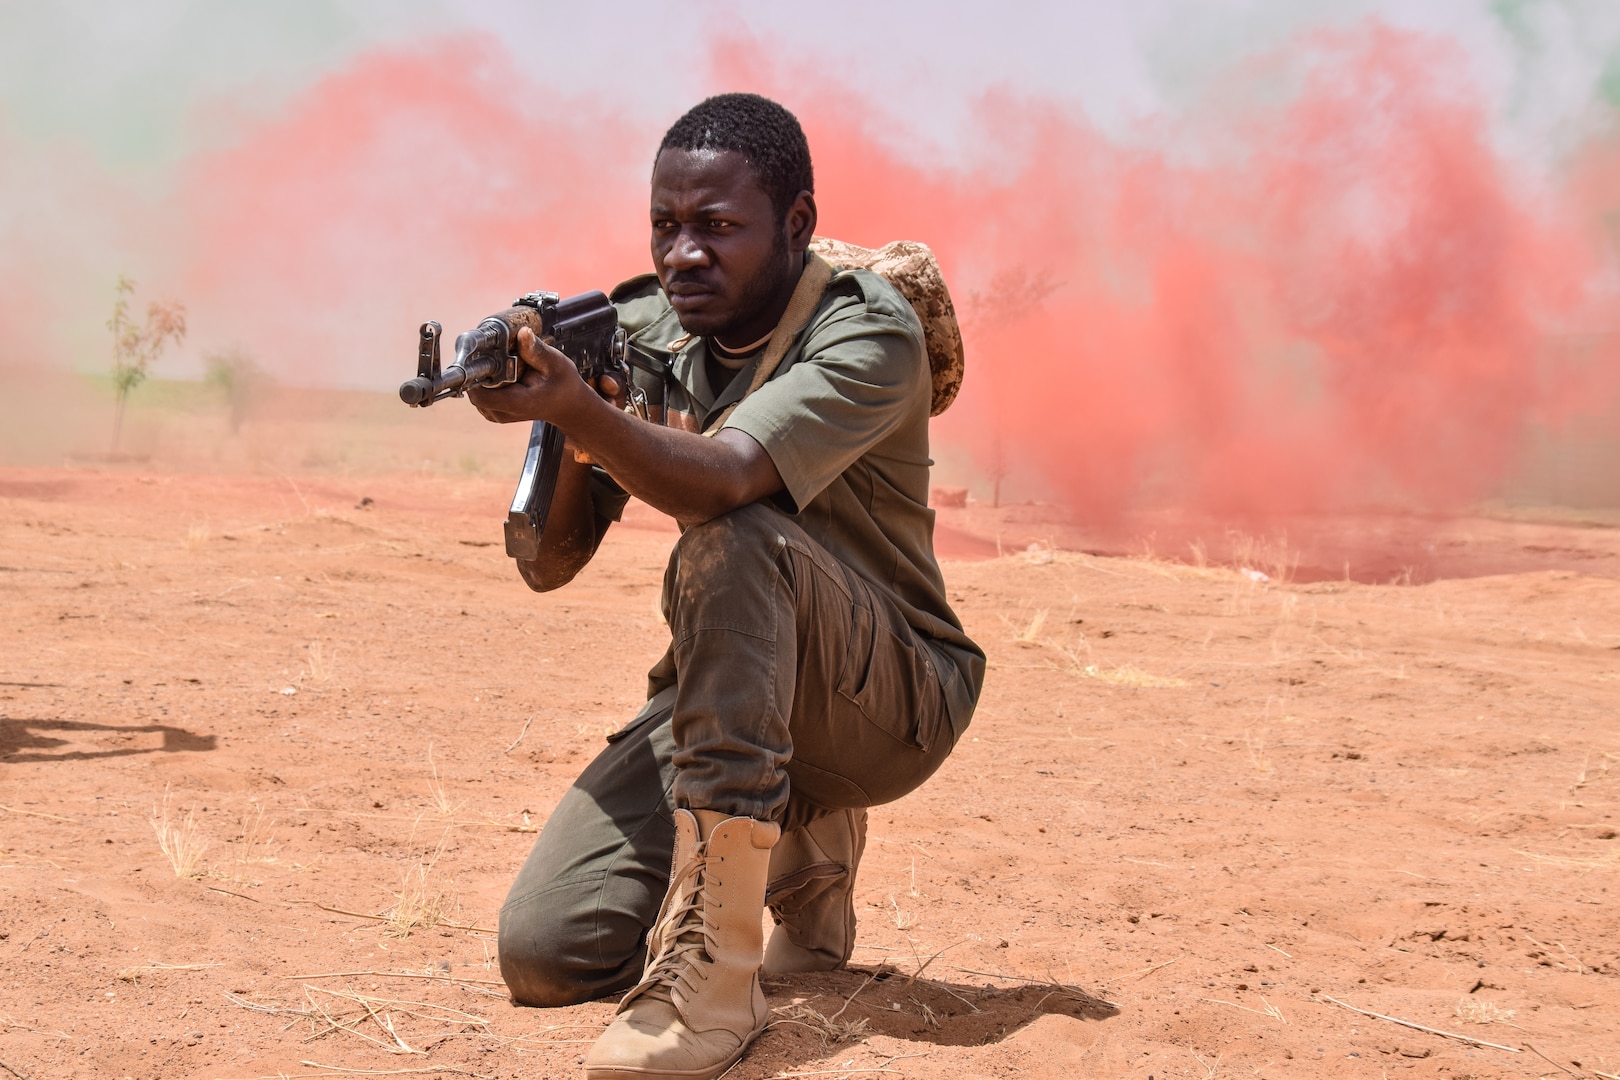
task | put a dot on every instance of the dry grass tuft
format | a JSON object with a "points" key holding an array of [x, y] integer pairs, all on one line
{"points": [[1477, 1011], [1126, 675], [441, 801], [258, 841], [1269, 1010], [832, 1029], [198, 535], [903, 920], [318, 667], [1273, 558], [180, 840], [1255, 747], [421, 903], [1030, 634], [1587, 776]]}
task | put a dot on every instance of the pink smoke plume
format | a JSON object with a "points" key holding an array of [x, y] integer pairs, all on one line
{"points": [[1324, 289], [428, 182], [1343, 298]]}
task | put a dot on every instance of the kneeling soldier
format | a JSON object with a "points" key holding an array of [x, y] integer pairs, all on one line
{"points": [[815, 667]]}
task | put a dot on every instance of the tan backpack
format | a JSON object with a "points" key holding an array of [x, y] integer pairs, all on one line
{"points": [[907, 265], [912, 269]]}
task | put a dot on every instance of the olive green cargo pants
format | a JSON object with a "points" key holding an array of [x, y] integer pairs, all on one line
{"points": [[792, 687]]}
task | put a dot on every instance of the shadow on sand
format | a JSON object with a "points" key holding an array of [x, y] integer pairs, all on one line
{"points": [[827, 1014], [29, 740]]}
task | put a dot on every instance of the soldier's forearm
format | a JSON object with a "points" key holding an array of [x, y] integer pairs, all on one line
{"points": [[573, 531], [689, 477]]}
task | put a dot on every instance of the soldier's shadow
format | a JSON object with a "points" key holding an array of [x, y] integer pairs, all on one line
{"points": [[23, 740], [812, 1014]]}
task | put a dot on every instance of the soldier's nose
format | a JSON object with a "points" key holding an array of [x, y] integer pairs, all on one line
{"points": [[684, 254]]}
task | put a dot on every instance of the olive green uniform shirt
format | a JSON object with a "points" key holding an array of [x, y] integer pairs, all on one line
{"points": [[845, 420]]}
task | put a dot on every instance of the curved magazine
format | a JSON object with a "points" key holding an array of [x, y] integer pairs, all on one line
{"points": [[526, 519]]}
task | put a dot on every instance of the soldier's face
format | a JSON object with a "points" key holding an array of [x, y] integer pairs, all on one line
{"points": [[722, 256]]}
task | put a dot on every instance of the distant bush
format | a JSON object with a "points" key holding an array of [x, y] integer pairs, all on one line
{"points": [[234, 372]]}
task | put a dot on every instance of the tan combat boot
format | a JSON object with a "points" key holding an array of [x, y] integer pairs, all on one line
{"points": [[812, 894], [698, 1004]]}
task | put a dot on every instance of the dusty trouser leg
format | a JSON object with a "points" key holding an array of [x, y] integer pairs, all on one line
{"points": [[794, 674], [811, 893], [801, 690], [574, 923], [791, 673]]}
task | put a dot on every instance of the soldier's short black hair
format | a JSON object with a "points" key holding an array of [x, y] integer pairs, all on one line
{"points": [[758, 128]]}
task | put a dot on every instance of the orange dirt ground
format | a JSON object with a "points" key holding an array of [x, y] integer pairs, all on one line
{"points": [[1195, 812]]}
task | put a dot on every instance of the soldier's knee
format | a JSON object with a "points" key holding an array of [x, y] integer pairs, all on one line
{"points": [[572, 942], [538, 972], [717, 547]]}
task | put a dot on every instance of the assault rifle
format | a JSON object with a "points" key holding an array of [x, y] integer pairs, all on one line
{"points": [[584, 328]]}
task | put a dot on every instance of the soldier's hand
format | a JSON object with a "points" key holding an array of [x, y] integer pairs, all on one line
{"points": [[610, 390], [548, 389]]}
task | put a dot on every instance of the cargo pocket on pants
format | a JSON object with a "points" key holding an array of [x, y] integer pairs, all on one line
{"points": [[891, 681]]}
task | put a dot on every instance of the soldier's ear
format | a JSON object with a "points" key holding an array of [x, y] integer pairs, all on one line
{"points": [[801, 221]]}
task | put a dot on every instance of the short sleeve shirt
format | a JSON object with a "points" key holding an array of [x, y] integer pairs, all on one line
{"points": [[845, 420]]}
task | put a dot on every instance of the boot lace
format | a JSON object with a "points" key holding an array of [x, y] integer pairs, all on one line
{"points": [[687, 938]]}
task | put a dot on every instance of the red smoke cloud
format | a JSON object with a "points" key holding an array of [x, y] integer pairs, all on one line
{"points": [[1336, 296], [435, 182], [1342, 299]]}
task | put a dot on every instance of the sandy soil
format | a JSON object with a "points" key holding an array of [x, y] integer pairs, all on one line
{"points": [[1197, 816]]}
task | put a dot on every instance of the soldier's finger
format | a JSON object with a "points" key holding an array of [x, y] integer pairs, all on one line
{"points": [[529, 348]]}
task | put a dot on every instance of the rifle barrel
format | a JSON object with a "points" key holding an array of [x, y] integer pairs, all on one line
{"points": [[456, 378]]}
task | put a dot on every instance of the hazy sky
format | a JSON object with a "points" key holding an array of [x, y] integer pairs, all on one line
{"points": [[144, 82], [107, 109]]}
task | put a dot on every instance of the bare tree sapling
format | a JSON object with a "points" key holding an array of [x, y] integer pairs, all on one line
{"points": [[136, 346]]}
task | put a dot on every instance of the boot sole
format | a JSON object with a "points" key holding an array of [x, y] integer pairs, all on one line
{"points": [[631, 1072]]}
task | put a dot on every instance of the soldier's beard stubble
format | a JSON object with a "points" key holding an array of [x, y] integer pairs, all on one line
{"points": [[759, 291]]}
